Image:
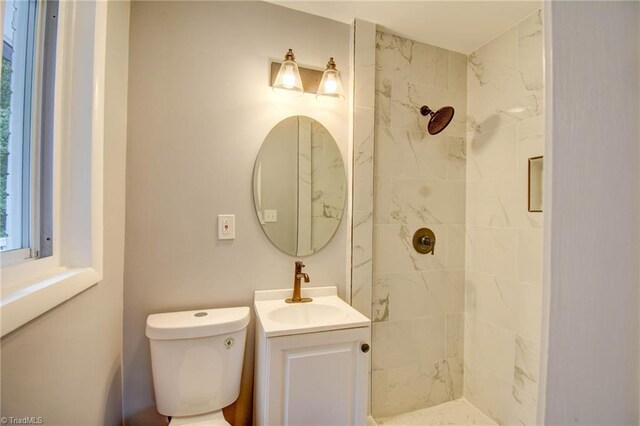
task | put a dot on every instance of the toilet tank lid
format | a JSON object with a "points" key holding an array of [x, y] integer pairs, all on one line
{"points": [[194, 324]]}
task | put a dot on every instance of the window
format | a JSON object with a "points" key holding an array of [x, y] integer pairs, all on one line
{"points": [[26, 129], [60, 252]]}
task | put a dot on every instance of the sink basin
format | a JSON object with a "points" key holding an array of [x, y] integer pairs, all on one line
{"points": [[326, 312], [306, 313]]}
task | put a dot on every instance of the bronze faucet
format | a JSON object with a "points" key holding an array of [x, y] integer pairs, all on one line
{"points": [[299, 275]]}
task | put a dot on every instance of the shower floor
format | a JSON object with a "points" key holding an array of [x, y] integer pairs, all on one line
{"points": [[458, 412]]}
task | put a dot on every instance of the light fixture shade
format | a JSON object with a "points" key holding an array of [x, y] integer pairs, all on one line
{"points": [[330, 86], [288, 79]]}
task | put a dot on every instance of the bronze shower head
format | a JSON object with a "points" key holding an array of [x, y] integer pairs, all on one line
{"points": [[439, 120]]}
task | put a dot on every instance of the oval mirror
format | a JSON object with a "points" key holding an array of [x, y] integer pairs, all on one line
{"points": [[299, 186]]}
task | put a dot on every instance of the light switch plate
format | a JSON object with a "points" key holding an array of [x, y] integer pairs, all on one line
{"points": [[226, 227]]}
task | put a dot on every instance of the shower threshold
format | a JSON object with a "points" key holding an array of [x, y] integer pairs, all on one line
{"points": [[457, 412]]}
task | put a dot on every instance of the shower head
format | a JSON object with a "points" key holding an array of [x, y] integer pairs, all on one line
{"points": [[439, 120]]}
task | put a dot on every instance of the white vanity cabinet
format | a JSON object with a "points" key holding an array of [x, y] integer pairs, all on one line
{"points": [[305, 377]]}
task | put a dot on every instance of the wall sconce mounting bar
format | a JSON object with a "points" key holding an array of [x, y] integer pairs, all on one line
{"points": [[310, 77]]}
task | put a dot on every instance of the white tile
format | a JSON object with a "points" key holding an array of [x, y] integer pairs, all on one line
{"points": [[362, 265], [505, 404], [404, 153], [489, 107], [365, 63], [494, 202], [510, 304], [525, 374], [393, 54], [378, 392], [422, 294], [456, 369], [361, 289], [383, 100], [500, 202], [457, 72], [407, 98], [457, 161], [455, 335], [530, 50], [530, 255], [492, 250], [418, 386], [382, 199], [417, 202], [429, 65], [380, 298], [408, 342], [456, 240], [362, 244], [499, 93], [406, 389], [457, 412], [393, 250], [490, 347], [363, 138], [492, 154], [530, 142], [486, 64]]}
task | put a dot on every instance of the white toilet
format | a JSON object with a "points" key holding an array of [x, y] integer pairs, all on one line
{"points": [[197, 358]]}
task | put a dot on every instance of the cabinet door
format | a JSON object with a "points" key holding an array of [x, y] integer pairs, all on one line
{"points": [[318, 378]]}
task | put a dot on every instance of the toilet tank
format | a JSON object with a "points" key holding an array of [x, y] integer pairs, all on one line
{"points": [[196, 358]]}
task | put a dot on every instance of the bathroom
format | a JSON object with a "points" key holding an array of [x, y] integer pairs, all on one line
{"points": [[187, 105]]}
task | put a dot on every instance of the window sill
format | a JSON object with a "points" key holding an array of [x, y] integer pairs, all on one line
{"points": [[24, 302]]}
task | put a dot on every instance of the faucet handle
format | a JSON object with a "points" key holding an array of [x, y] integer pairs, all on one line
{"points": [[299, 266]]}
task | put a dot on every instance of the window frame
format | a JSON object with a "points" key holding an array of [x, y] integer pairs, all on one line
{"points": [[36, 221], [29, 289], [25, 52]]}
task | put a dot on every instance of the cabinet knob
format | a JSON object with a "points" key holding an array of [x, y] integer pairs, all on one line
{"points": [[365, 348]]}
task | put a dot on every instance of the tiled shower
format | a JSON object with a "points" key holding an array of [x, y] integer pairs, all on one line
{"points": [[464, 322], [418, 300]]}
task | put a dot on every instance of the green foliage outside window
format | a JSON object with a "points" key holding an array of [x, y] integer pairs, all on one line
{"points": [[5, 113]]}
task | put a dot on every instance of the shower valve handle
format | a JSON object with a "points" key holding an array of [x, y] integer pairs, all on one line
{"points": [[424, 241]]}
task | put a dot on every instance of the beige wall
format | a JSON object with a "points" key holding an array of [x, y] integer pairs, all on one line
{"points": [[65, 366], [591, 278], [200, 106], [418, 300]]}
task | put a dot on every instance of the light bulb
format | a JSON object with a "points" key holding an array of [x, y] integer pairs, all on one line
{"points": [[288, 78], [330, 88]]}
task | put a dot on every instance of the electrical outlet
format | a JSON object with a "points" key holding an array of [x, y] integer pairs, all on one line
{"points": [[226, 227]]}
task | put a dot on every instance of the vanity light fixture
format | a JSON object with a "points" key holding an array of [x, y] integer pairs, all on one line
{"points": [[330, 86], [288, 79]]}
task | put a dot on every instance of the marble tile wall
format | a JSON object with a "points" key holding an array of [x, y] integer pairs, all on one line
{"points": [[363, 119], [419, 181], [503, 241]]}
